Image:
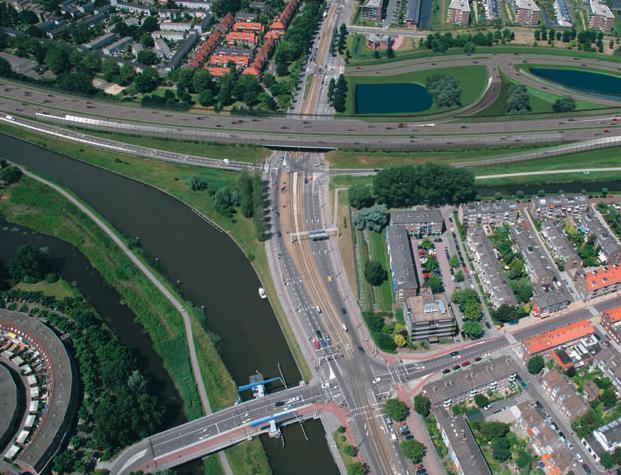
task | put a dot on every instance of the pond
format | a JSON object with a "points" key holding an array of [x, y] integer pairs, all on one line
{"points": [[393, 98], [586, 81]]}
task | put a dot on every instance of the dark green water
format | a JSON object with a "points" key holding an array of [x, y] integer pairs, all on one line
{"points": [[393, 98], [591, 82]]}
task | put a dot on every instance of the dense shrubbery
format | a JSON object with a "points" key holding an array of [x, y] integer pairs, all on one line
{"points": [[430, 183], [445, 90], [518, 100]]}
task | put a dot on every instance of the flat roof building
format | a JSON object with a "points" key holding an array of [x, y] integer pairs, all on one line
{"points": [[492, 213], [402, 268], [371, 10], [117, 45], [592, 283], [420, 221], [553, 299], [558, 206], [609, 435], [527, 12], [474, 379], [602, 17], [429, 317]]}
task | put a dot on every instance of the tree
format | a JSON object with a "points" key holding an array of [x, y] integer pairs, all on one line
{"points": [[331, 89], [244, 185], [10, 174], [150, 24], [459, 276], [564, 104], [524, 459], [349, 450], [454, 261], [493, 430], [374, 218], [198, 183], [28, 265], [535, 364], [126, 75], [430, 183], [225, 200], [481, 400], [396, 409], [77, 82], [608, 397], [5, 68], [422, 405], [472, 310], [501, 449], [147, 57], [413, 450], [374, 273], [57, 59], [445, 90], [518, 100], [473, 330], [469, 48], [400, 340], [435, 284], [506, 313], [146, 81], [340, 94], [360, 196], [147, 40], [357, 468], [110, 69], [206, 98], [202, 81], [464, 296]]}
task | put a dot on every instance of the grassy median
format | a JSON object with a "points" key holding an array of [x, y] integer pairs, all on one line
{"points": [[36, 206]]}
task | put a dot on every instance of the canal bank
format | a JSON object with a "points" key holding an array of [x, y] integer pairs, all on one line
{"points": [[193, 254]]}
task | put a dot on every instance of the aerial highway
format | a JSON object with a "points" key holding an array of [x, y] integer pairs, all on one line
{"points": [[325, 132]]}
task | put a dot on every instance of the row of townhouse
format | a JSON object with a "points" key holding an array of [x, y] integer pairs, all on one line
{"points": [[539, 267], [564, 394], [591, 224], [560, 246], [420, 221], [489, 270], [488, 213]]}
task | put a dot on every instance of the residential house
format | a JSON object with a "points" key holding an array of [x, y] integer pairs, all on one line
{"points": [[590, 223], [538, 265], [598, 281], [558, 206], [117, 45], [371, 10], [526, 12], [555, 338], [564, 394], [489, 271], [611, 321], [560, 246], [602, 17]]}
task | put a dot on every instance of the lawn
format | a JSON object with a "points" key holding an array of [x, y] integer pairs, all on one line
{"points": [[540, 101], [379, 253], [59, 290], [174, 179], [241, 153], [473, 81]]}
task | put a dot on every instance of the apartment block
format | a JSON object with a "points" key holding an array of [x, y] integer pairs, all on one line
{"points": [[493, 213], [429, 317], [459, 12], [611, 321], [526, 12], [555, 338], [564, 394], [491, 275], [371, 10], [558, 206], [419, 222], [550, 300], [602, 17], [475, 379], [538, 265], [402, 268]]}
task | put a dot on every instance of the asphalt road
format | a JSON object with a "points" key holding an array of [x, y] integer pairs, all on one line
{"points": [[321, 131]]}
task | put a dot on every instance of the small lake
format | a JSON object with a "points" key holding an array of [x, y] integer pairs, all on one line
{"points": [[393, 98], [586, 81]]}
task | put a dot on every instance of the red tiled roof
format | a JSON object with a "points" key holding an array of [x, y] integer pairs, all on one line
{"points": [[614, 314], [559, 336], [248, 26], [602, 277]]}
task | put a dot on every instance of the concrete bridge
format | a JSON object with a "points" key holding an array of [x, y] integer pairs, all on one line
{"points": [[222, 429]]}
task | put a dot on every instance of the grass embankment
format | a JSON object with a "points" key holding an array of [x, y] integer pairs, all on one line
{"points": [[472, 79], [59, 290], [342, 444], [385, 158], [174, 179], [480, 51], [346, 240], [540, 101], [240, 153], [33, 205]]}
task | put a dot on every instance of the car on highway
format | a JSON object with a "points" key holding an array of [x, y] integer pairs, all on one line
{"points": [[465, 363], [579, 458], [279, 403], [446, 370], [376, 380], [360, 349], [456, 367], [454, 354], [294, 399]]}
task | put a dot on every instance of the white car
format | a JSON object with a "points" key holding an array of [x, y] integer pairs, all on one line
{"points": [[579, 458], [294, 399], [376, 380], [325, 385]]}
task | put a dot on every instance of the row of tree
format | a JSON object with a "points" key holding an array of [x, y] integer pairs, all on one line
{"points": [[337, 93], [252, 201], [439, 43]]}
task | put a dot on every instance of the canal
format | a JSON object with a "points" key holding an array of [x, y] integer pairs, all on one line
{"points": [[211, 271]]}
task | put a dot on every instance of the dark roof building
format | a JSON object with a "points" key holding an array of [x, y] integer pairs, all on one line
{"points": [[9, 406], [419, 221], [402, 269]]}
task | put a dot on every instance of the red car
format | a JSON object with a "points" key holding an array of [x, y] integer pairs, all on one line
{"points": [[465, 363]]}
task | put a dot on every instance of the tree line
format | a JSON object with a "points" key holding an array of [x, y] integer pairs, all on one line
{"points": [[439, 43]]}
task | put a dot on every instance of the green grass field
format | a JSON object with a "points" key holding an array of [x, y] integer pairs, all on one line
{"points": [[59, 290], [379, 253], [473, 80]]}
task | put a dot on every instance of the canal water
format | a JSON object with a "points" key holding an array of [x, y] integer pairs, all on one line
{"points": [[210, 270], [586, 81], [394, 98]]}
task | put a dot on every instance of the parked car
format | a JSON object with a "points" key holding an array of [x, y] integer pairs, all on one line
{"points": [[454, 354]]}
